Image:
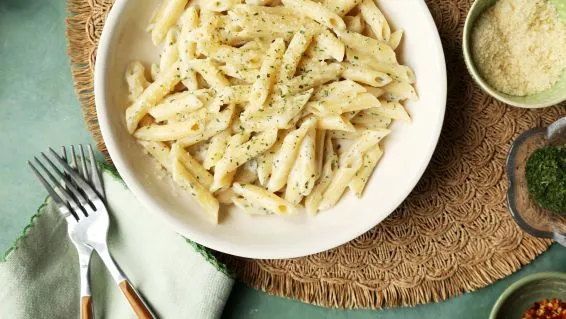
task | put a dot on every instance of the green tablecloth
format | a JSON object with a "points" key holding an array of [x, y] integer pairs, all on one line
{"points": [[38, 108]]}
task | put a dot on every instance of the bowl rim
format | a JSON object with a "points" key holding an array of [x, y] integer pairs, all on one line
{"points": [[119, 160], [476, 76], [518, 284]]}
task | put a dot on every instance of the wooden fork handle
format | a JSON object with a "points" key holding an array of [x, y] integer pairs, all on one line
{"points": [[135, 301], [86, 307]]}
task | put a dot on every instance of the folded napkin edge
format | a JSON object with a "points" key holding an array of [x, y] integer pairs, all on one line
{"points": [[210, 258], [24, 231]]}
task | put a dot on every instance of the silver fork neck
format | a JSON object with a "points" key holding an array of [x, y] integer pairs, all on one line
{"points": [[112, 267]]}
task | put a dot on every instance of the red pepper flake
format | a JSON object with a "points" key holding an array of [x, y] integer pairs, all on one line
{"points": [[547, 309]]}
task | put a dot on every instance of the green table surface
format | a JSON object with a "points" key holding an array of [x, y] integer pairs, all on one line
{"points": [[38, 107]]}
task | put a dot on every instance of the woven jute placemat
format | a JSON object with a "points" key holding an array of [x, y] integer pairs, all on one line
{"points": [[453, 234]]}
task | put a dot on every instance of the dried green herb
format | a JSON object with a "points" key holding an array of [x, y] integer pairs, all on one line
{"points": [[546, 178]]}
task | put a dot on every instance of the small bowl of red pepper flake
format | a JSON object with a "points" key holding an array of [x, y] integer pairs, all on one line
{"points": [[538, 296], [547, 309]]}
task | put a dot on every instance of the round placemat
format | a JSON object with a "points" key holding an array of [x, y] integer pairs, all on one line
{"points": [[453, 234]]}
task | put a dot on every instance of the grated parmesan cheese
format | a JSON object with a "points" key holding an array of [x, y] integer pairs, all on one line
{"points": [[519, 46]]}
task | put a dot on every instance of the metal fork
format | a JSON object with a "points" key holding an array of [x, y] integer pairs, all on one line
{"points": [[84, 251], [87, 217]]}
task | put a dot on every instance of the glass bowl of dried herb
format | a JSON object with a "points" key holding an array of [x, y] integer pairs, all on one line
{"points": [[536, 168]]}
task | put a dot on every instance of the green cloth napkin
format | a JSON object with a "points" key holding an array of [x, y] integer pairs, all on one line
{"points": [[39, 276]]}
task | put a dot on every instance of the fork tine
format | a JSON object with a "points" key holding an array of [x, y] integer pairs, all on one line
{"points": [[95, 173], [83, 164], [64, 154], [74, 162], [91, 193], [82, 199], [68, 193], [67, 207], [56, 198]]}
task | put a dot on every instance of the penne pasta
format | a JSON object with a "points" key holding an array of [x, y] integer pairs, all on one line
{"points": [[270, 25], [237, 155], [193, 124], [247, 75], [377, 92], [375, 19], [320, 144], [209, 71], [317, 12], [248, 207], [159, 151], [343, 134], [393, 110], [200, 194], [283, 160], [266, 76], [282, 114], [237, 57], [375, 118], [262, 198], [261, 8], [327, 46], [365, 76], [309, 79], [354, 23], [395, 39], [313, 200], [218, 144], [212, 127], [335, 122], [304, 173], [198, 151], [136, 80], [246, 173], [345, 104], [165, 17], [377, 50], [297, 46], [341, 7], [222, 181], [339, 181], [225, 196], [394, 70], [364, 142], [188, 22], [236, 94], [150, 96], [265, 161], [360, 179], [219, 5], [398, 91], [192, 165], [338, 89], [154, 71], [178, 103], [170, 52]]}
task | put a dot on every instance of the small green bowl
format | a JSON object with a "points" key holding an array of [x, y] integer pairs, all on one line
{"points": [[522, 294], [552, 96]]}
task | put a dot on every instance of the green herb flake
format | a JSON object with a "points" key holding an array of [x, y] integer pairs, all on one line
{"points": [[546, 178]]}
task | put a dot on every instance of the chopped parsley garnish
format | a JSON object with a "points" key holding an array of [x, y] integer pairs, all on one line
{"points": [[546, 178]]}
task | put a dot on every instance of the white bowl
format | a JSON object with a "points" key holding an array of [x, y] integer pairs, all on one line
{"points": [[407, 150]]}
